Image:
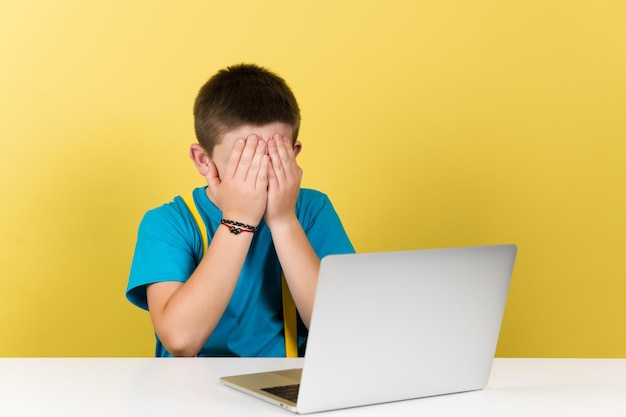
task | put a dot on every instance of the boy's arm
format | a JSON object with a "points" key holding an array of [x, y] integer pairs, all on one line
{"points": [[184, 315], [300, 265], [297, 258]]}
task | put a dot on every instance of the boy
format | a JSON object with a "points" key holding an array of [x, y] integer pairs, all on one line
{"points": [[227, 301]]}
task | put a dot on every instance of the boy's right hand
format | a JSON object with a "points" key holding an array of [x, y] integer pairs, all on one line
{"points": [[241, 191]]}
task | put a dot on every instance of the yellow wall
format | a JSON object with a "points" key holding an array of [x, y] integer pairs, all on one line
{"points": [[429, 124]]}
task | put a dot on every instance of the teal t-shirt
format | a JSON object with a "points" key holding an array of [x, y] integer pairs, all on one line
{"points": [[169, 247]]}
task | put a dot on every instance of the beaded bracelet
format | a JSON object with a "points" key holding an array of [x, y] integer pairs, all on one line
{"points": [[238, 227]]}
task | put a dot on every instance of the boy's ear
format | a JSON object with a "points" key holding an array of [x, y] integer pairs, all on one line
{"points": [[200, 158], [297, 147]]}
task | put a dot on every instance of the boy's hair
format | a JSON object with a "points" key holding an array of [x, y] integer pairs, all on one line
{"points": [[239, 95]]}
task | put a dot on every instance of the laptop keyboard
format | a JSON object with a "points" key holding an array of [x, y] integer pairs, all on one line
{"points": [[288, 392]]}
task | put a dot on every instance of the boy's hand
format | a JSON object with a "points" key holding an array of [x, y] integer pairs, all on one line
{"points": [[284, 181], [241, 192]]}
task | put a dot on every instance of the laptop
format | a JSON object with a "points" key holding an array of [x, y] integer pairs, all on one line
{"points": [[392, 326]]}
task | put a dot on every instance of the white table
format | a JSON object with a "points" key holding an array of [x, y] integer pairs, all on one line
{"points": [[190, 387]]}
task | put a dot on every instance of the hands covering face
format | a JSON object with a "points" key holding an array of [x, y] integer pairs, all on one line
{"points": [[260, 179]]}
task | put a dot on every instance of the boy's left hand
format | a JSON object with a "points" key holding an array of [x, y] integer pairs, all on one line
{"points": [[285, 177]]}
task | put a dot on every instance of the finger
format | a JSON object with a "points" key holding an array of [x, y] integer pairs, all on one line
{"points": [[291, 154], [271, 173], [234, 157], [262, 179], [285, 160], [255, 165], [247, 155], [277, 163], [213, 177], [286, 153]]}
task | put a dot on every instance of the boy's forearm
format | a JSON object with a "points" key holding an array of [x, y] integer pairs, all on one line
{"points": [[185, 321], [300, 264]]}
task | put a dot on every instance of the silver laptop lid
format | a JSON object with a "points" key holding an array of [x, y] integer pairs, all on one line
{"points": [[400, 325]]}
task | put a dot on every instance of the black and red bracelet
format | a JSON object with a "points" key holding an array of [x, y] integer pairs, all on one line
{"points": [[238, 227]]}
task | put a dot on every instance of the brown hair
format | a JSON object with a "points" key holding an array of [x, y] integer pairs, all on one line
{"points": [[240, 95]]}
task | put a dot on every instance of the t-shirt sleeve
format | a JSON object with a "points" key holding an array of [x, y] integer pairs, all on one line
{"points": [[322, 226], [166, 250]]}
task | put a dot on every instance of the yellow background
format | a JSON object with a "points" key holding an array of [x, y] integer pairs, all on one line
{"points": [[428, 123]]}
